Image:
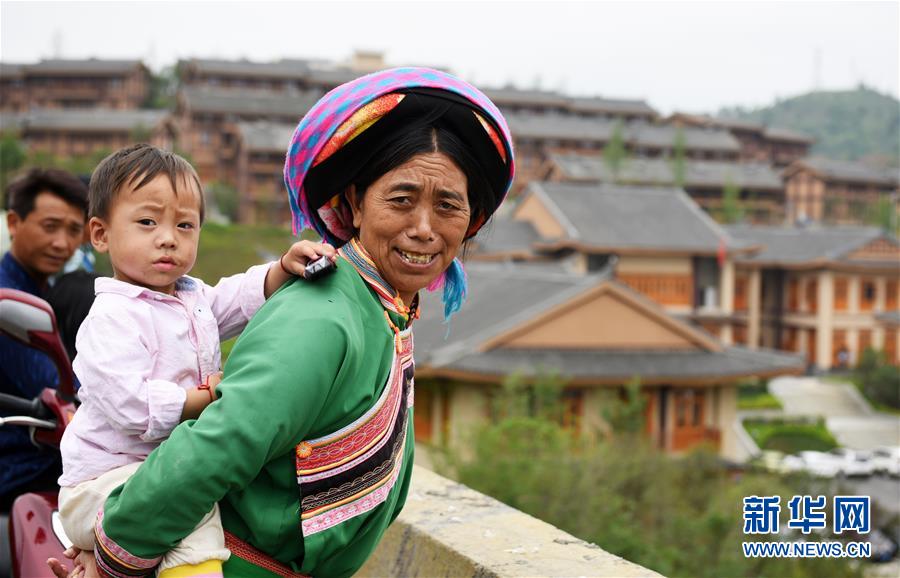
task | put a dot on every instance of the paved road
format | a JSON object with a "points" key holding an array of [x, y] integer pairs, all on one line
{"points": [[847, 414]]}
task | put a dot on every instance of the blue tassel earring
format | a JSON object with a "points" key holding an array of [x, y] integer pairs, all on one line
{"points": [[455, 289]]}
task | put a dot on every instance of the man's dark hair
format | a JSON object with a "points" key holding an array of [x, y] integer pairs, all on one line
{"points": [[21, 193], [135, 166]]}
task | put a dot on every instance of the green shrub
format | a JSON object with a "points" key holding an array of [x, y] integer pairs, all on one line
{"points": [[878, 380]]}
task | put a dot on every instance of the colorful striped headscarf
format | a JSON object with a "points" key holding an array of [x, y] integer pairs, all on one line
{"points": [[352, 108]]}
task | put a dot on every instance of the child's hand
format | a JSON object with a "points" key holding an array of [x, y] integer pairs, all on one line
{"points": [[294, 261], [213, 381]]}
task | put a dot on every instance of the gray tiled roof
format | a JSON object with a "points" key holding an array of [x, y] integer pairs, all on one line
{"points": [[663, 136], [796, 245], [284, 68], [92, 119], [509, 97], [332, 76], [503, 234], [86, 66], [771, 133], [636, 134], [513, 96], [266, 136], [711, 174], [737, 124], [10, 70], [500, 296], [503, 296], [249, 102], [558, 126], [610, 105], [850, 171], [11, 121], [784, 134], [624, 365], [632, 217]]}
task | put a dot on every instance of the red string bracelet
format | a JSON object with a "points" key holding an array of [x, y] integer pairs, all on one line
{"points": [[205, 386]]}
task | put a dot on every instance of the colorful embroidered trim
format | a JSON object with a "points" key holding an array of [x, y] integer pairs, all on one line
{"points": [[353, 470], [114, 560], [356, 254], [257, 557]]}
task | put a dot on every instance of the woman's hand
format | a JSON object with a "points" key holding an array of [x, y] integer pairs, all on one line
{"points": [[294, 262]]}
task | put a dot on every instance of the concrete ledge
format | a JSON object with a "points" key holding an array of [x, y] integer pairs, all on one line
{"points": [[447, 529]]}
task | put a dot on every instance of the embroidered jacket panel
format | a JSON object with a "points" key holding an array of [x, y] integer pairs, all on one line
{"points": [[314, 359]]}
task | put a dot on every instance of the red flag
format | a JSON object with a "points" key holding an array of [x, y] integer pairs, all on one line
{"points": [[721, 252]]}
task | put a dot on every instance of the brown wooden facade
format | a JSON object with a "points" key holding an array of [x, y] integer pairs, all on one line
{"points": [[815, 193], [54, 84]]}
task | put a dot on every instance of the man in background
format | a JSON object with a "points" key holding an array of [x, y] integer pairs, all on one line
{"points": [[47, 210]]}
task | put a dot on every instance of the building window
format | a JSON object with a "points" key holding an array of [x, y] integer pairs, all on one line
{"points": [[840, 294], [867, 298]]}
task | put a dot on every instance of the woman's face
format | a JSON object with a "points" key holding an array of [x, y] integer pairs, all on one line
{"points": [[413, 220]]}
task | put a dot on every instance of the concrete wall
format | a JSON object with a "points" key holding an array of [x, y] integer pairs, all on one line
{"points": [[447, 529]]}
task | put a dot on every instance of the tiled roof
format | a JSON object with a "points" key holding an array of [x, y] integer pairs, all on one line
{"points": [[87, 66], [332, 76], [637, 134], [504, 296], [664, 136], [266, 136], [509, 97], [11, 121], [285, 68], [503, 234], [610, 105], [500, 297], [558, 126], [612, 365], [784, 134], [771, 133], [10, 70], [710, 174], [91, 119], [632, 217], [796, 245], [849, 171], [261, 103], [513, 96]]}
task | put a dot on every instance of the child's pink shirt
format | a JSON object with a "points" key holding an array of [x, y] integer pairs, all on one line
{"points": [[138, 352]]}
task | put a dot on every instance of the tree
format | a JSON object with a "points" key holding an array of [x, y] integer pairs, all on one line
{"points": [[12, 158], [162, 89], [884, 214], [680, 516], [225, 197], [732, 208], [614, 153]]}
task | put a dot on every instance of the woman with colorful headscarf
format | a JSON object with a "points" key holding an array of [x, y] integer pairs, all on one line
{"points": [[309, 449]]}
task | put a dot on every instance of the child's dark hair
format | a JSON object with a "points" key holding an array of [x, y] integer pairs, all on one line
{"points": [[136, 165]]}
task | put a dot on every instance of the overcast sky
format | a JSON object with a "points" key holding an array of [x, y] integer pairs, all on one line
{"points": [[692, 56]]}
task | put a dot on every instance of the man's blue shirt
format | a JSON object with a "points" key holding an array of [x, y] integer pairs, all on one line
{"points": [[24, 372]]}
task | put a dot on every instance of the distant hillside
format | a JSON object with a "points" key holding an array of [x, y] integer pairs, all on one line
{"points": [[853, 124]]}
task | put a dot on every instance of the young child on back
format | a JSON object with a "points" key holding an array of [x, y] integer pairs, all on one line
{"points": [[148, 351]]}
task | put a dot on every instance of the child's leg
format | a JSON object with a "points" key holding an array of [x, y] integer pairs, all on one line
{"points": [[199, 554], [78, 505]]}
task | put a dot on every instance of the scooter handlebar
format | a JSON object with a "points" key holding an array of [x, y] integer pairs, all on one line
{"points": [[35, 408]]}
